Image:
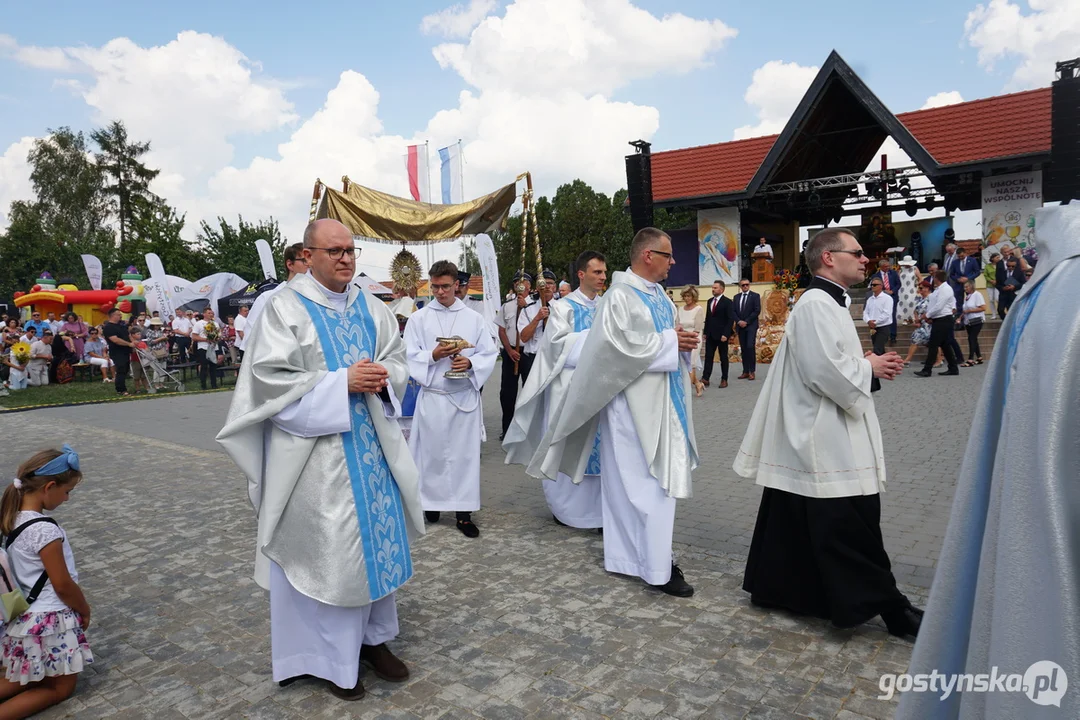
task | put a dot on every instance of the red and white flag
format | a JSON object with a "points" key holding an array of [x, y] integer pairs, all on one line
{"points": [[417, 164]]}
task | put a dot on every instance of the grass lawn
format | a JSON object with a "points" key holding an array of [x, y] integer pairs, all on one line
{"points": [[82, 392]]}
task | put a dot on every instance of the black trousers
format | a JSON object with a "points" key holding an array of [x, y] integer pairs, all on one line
{"points": [[182, 344], [711, 346], [748, 346], [895, 305], [877, 340], [823, 557], [122, 363], [206, 368], [973, 340], [508, 390], [956, 351], [941, 330], [1005, 301]]}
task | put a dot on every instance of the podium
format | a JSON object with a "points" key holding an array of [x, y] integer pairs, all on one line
{"points": [[762, 269]]}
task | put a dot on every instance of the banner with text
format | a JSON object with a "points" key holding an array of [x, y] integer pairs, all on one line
{"points": [[718, 246], [93, 270], [1009, 203], [489, 268], [161, 287]]}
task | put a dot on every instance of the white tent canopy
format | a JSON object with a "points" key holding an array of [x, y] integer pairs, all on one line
{"points": [[369, 285]]}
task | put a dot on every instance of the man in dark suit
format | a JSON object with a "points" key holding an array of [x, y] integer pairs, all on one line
{"points": [[1009, 279], [719, 321], [890, 280], [962, 269], [747, 307]]}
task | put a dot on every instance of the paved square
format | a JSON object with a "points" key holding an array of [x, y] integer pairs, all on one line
{"points": [[522, 623]]}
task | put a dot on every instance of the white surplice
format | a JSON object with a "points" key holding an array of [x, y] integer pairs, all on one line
{"points": [[308, 637], [448, 423]]}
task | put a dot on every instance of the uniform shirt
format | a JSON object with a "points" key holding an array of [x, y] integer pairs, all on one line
{"points": [[879, 309], [942, 302], [507, 319], [528, 313]]}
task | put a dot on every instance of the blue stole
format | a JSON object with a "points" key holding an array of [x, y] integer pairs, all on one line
{"points": [[1023, 310], [663, 315], [346, 338], [583, 320]]}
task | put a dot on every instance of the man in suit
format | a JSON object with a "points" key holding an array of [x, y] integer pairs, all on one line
{"points": [[962, 269], [747, 307], [890, 281], [719, 321], [1009, 279]]}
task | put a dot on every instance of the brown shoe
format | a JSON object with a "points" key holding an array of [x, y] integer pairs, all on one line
{"points": [[348, 694], [744, 376], [705, 383], [723, 383], [384, 663], [751, 376]]}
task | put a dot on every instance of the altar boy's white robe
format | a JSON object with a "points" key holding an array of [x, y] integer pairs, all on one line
{"points": [[289, 423], [574, 504], [448, 423], [631, 384]]}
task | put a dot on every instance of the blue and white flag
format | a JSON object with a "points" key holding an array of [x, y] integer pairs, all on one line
{"points": [[450, 159]]}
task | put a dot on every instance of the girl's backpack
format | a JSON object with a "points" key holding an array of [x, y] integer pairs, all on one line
{"points": [[12, 602]]}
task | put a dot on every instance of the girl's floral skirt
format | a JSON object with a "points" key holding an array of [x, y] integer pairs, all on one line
{"points": [[44, 644]]}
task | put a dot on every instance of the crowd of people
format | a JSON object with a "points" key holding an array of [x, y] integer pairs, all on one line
{"points": [[47, 350]]}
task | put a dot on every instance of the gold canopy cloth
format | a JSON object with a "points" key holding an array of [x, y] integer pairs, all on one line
{"points": [[381, 217]]}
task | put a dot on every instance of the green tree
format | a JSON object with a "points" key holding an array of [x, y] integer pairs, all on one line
{"points": [[155, 228], [119, 159], [232, 249], [467, 260]]}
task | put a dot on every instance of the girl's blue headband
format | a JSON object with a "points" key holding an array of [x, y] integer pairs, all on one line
{"points": [[67, 460]]}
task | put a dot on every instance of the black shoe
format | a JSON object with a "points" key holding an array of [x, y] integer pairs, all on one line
{"points": [[348, 694], [468, 529], [432, 516], [557, 520], [923, 373], [501, 436], [954, 371], [677, 585], [600, 531], [289, 681], [904, 622]]}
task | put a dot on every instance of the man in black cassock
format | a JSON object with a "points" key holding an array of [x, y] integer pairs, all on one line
{"points": [[814, 443]]}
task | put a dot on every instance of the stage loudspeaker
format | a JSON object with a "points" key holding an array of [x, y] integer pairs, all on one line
{"points": [[1062, 181], [639, 189]]}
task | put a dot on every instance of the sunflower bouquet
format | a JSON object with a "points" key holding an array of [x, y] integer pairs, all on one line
{"points": [[20, 351], [786, 280], [212, 332]]}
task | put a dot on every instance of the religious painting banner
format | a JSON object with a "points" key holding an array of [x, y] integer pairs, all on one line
{"points": [[1009, 203], [718, 246]]}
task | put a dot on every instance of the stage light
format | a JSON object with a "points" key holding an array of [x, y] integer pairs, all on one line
{"points": [[905, 187], [814, 198], [911, 207], [929, 203]]}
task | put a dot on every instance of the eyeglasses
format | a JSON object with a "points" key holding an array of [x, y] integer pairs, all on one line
{"points": [[745, 286], [661, 252], [447, 286], [857, 253], [874, 285], [338, 253]]}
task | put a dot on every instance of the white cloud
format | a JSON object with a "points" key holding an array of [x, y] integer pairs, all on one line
{"points": [[457, 20], [775, 92], [1037, 39], [584, 46], [35, 57], [14, 177], [541, 77], [942, 99]]}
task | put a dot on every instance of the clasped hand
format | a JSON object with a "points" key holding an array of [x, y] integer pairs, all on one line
{"points": [[887, 366], [687, 340], [367, 376]]}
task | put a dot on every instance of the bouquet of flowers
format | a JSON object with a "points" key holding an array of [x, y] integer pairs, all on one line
{"points": [[786, 280], [212, 332], [21, 352]]}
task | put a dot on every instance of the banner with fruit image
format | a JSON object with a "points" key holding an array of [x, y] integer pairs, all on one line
{"points": [[1009, 203]]}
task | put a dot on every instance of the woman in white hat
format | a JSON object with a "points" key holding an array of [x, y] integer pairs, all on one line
{"points": [[910, 277]]}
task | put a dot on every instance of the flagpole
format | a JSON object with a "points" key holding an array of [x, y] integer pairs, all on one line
{"points": [[461, 168], [427, 181]]}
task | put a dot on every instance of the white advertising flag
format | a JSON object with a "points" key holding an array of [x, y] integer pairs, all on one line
{"points": [[93, 270], [160, 290], [489, 268], [266, 259]]}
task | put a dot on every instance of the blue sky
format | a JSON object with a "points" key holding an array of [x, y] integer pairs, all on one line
{"points": [[906, 52]]}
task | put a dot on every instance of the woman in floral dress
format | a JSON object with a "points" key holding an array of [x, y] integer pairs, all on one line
{"points": [[921, 335], [909, 283]]}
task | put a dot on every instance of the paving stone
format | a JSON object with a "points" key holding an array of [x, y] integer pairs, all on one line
{"points": [[523, 622]]}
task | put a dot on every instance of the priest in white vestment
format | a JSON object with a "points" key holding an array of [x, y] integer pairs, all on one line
{"points": [[1006, 593], [574, 504], [632, 383], [448, 422], [814, 443], [295, 264], [312, 426]]}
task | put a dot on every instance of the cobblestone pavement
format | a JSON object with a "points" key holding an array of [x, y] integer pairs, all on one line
{"points": [[523, 623]]}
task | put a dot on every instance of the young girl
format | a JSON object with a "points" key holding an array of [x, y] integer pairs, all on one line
{"points": [[45, 648]]}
